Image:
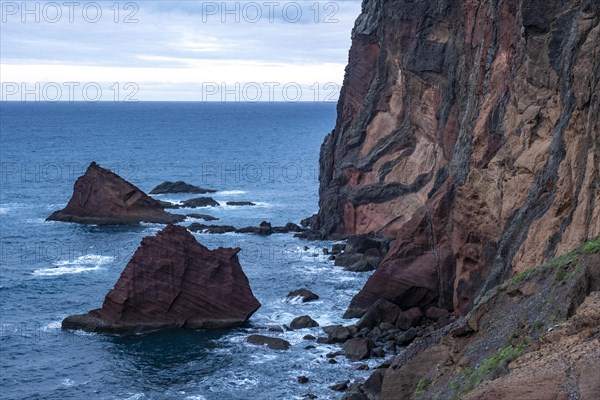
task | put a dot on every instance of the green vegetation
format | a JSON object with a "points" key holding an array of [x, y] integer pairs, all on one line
{"points": [[488, 368], [593, 246], [421, 386]]}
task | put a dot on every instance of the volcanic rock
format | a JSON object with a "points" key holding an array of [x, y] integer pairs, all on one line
{"points": [[179, 187], [200, 202], [172, 281], [102, 197], [205, 217], [337, 333], [303, 322], [240, 203], [358, 348], [465, 132], [305, 294], [270, 342]]}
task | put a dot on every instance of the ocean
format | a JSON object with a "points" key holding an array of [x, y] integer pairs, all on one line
{"points": [[266, 153]]}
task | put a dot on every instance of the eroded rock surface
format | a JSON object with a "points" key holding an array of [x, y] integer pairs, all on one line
{"points": [[468, 132], [172, 281], [102, 197]]}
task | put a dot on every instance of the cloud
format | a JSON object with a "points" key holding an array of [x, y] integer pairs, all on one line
{"points": [[177, 45]]}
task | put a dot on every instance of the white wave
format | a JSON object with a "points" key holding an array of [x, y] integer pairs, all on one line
{"points": [[52, 325], [4, 210], [87, 259], [136, 396], [68, 382], [195, 397], [85, 263], [231, 192], [63, 270]]}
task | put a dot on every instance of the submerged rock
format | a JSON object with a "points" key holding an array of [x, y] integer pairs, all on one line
{"points": [[179, 187], [240, 203], [102, 197], [205, 217], [172, 281]]}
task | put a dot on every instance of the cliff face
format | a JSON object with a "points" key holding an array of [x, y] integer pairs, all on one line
{"points": [[469, 132]]}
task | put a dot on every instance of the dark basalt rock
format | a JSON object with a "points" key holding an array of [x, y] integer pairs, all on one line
{"points": [[264, 228], [172, 281], [200, 202], [205, 217], [337, 333], [302, 322], [358, 348], [179, 187], [271, 342], [305, 294], [198, 227], [102, 197], [240, 203]]}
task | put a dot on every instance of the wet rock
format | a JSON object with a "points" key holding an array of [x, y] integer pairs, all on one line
{"points": [[362, 265], [303, 322], [346, 260], [275, 329], [305, 294], [271, 342], [358, 348], [205, 217], [172, 281], [302, 379], [360, 244], [338, 248], [362, 367], [179, 187], [354, 392], [216, 229], [102, 197], [340, 387], [337, 333], [308, 337], [240, 203], [331, 361], [200, 202]]}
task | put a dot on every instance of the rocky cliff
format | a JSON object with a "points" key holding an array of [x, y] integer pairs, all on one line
{"points": [[172, 281], [468, 131], [104, 198]]}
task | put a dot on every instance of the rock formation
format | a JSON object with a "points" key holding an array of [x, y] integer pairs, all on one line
{"points": [[104, 198], [467, 131], [172, 281], [179, 187]]}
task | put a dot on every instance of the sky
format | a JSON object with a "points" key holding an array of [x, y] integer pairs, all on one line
{"points": [[174, 50]]}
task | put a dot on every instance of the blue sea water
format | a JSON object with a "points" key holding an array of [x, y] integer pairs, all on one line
{"points": [[264, 152]]}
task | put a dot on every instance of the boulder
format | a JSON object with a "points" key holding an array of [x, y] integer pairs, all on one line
{"points": [[409, 318], [358, 348], [102, 197], [348, 259], [362, 265], [179, 187], [360, 244], [200, 202], [197, 227], [337, 333], [340, 387], [382, 311], [270, 342], [305, 294], [172, 281], [303, 322]]}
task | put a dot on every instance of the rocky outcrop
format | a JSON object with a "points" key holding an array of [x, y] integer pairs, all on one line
{"points": [[179, 187], [468, 132], [102, 197], [264, 228], [172, 281], [535, 336]]}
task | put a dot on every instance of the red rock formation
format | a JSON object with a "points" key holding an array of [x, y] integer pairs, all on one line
{"points": [[469, 132], [172, 281], [104, 198]]}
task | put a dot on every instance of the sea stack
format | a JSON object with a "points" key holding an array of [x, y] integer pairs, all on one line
{"points": [[172, 281], [102, 197]]}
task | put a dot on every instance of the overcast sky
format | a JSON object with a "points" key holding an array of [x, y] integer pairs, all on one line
{"points": [[175, 50]]}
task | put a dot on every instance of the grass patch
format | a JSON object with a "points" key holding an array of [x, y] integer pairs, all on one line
{"points": [[421, 386], [593, 246], [488, 368]]}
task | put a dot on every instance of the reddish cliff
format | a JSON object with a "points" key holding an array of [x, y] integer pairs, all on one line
{"points": [[172, 281], [469, 132], [104, 198]]}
